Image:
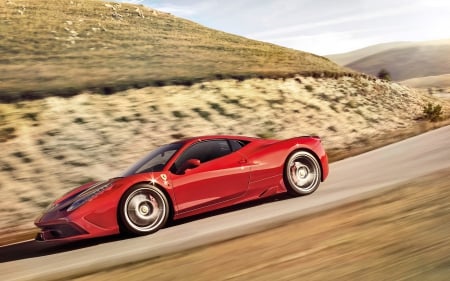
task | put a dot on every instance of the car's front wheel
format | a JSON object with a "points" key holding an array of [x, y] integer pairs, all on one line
{"points": [[302, 173], [143, 209]]}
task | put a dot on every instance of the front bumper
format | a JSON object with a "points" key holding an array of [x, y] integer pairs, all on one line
{"points": [[89, 221], [60, 231]]}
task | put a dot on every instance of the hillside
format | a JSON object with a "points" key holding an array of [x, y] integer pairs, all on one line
{"points": [[411, 61], [349, 57], [439, 81], [51, 47], [50, 145]]}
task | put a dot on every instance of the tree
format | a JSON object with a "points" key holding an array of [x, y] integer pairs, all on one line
{"points": [[384, 74]]}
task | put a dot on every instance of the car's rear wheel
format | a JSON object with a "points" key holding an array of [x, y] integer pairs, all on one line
{"points": [[143, 209], [302, 173]]}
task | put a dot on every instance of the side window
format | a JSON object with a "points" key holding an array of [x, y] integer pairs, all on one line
{"points": [[237, 144], [204, 151], [218, 148]]}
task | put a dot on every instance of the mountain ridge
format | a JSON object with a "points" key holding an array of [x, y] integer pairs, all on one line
{"points": [[354, 55], [108, 47], [407, 62], [403, 60]]}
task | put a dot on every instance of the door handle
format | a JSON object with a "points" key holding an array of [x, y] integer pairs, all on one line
{"points": [[243, 161]]}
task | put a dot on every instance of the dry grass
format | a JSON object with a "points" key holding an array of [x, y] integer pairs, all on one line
{"points": [[51, 47], [59, 143], [402, 235]]}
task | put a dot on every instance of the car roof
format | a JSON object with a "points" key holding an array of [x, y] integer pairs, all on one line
{"points": [[215, 137]]}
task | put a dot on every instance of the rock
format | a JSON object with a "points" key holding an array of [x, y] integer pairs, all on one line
{"points": [[139, 12], [116, 15]]}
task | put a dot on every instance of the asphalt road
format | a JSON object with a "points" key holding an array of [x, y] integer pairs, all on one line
{"points": [[350, 180]]}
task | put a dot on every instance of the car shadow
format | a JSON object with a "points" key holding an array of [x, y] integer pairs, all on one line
{"points": [[225, 210], [32, 249]]}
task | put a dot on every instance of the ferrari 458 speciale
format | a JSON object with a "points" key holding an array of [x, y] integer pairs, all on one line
{"points": [[186, 178]]}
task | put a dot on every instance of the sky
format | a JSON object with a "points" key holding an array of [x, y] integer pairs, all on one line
{"points": [[318, 26]]}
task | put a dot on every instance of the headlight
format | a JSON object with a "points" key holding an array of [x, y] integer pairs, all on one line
{"points": [[89, 194]]}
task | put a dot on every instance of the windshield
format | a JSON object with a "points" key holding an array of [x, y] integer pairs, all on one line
{"points": [[155, 161]]}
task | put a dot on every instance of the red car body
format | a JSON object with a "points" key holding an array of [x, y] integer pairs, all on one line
{"points": [[254, 169]]}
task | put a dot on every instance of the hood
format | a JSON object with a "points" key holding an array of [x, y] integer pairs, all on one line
{"points": [[76, 191]]}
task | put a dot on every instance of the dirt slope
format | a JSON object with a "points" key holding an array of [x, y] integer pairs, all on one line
{"points": [[51, 145]]}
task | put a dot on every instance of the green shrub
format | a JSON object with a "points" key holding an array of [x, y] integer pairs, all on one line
{"points": [[432, 112], [268, 134], [178, 114], [204, 114], [384, 75], [122, 119], [217, 108], [6, 167], [33, 116], [332, 129], [178, 136], [7, 133], [79, 120], [309, 88]]}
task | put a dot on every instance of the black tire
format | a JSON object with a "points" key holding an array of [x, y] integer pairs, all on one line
{"points": [[143, 209], [302, 173]]}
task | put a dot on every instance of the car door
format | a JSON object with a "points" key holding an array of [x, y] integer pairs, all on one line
{"points": [[219, 175]]}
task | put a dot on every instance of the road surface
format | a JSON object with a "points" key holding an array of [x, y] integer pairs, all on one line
{"points": [[351, 179]]}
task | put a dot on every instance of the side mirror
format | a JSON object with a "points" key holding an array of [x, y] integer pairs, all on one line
{"points": [[188, 165], [193, 163]]}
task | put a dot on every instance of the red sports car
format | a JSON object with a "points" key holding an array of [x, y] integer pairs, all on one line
{"points": [[186, 178]]}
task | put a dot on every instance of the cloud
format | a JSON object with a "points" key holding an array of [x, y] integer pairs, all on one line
{"points": [[135, 1], [181, 11], [394, 11], [435, 3], [318, 26], [329, 42]]}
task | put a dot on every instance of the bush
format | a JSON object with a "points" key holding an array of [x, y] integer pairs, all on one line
{"points": [[31, 116], [122, 119], [79, 120], [309, 88], [432, 112], [384, 75], [178, 114], [204, 114], [7, 133]]}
